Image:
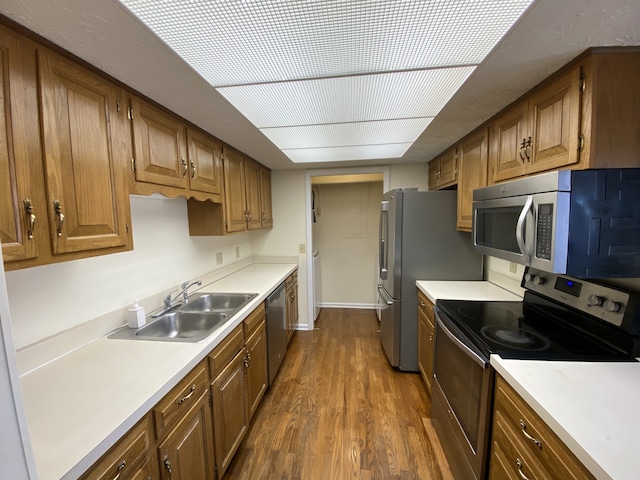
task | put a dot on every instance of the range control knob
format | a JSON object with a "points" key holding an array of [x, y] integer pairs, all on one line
{"points": [[594, 300], [527, 277], [611, 306], [537, 280]]}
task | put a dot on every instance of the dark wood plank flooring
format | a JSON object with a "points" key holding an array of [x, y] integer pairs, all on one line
{"points": [[337, 410]]}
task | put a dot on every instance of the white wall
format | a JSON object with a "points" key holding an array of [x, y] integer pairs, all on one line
{"points": [[346, 234], [409, 175], [50, 299]]}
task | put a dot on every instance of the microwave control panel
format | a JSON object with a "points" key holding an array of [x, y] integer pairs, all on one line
{"points": [[544, 231]]}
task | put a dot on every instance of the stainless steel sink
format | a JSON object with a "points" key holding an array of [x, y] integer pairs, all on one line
{"points": [[191, 322], [215, 302]]}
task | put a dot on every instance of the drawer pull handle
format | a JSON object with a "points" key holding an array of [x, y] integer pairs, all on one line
{"points": [[188, 395], [167, 465], [120, 467], [536, 442], [520, 472]]}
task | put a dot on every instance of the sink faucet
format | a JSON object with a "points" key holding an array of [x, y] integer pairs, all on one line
{"points": [[184, 291]]}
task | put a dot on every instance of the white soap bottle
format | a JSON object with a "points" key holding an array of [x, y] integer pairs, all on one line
{"points": [[135, 315]]}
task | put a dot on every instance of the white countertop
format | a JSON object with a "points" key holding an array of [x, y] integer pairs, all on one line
{"points": [[594, 408], [79, 405], [465, 290]]}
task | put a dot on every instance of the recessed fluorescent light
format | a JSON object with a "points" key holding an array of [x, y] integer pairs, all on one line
{"points": [[381, 96], [336, 154], [347, 134]]}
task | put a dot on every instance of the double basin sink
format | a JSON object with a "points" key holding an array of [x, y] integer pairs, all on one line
{"points": [[192, 321]]}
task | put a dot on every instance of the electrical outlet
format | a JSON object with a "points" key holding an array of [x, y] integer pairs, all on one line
{"points": [[237, 252], [513, 267], [219, 258], [301, 248]]}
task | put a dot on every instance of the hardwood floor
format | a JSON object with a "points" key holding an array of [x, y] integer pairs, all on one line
{"points": [[337, 410]]}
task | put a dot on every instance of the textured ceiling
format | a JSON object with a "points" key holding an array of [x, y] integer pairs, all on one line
{"points": [[549, 35]]}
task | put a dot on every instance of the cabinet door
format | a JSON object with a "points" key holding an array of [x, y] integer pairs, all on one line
{"points": [[159, 146], [555, 113], [85, 143], [472, 173], [205, 163], [506, 157], [234, 192], [187, 453], [230, 410], [20, 154], [265, 197], [425, 340], [252, 185], [448, 168], [434, 173], [257, 375]]}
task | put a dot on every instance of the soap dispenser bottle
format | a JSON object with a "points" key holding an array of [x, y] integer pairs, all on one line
{"points": [[135, 315]]}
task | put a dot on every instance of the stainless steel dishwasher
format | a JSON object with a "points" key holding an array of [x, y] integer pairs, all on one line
{"points": [[276, 330]]}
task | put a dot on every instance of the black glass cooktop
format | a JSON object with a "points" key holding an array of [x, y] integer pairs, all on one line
{"points": [[531, 331]]}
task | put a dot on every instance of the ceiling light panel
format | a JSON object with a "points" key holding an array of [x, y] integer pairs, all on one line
{"points": [[255, 41], [347, 99], [336, 154], [348, 134]]}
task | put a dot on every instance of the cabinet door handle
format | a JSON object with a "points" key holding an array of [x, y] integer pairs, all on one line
{"points": [[520, 472], [522, 146], [28, 208], [188, 395], [431, 339], [536, 442], [193, 170], [167, 464], [249, 356], [57, 208], [184, 166], [119, 470], [527, 149]]}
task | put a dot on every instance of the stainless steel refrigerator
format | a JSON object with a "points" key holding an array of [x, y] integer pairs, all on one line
{"points": [[418, 241]]}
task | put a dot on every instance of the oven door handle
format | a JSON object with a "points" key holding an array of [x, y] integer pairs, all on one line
{"points": [[470, 353], [521, 230]]}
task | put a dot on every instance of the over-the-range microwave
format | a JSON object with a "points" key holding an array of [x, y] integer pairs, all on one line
{"points": [[584, 223]]}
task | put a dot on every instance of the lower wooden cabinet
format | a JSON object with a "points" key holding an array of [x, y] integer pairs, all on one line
{"points": [[291, 293], [426, 330], [523, 446], [256, 347], [186, 453]]}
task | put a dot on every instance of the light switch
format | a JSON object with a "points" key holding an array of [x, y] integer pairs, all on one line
{"points": [[219, 258], [301, 248]]}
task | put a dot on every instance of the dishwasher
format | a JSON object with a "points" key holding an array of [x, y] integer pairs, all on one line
{"points": [[276, 330]]}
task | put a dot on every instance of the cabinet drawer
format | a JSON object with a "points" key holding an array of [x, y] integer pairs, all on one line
{"points": [[125, 458], [179, 400], [253, 321], [535, 437], [226, 350], [425, 306]]}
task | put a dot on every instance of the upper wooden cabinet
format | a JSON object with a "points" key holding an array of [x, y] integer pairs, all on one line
{"points": [[584, 116], [159, 141], [472, 174], [541, 133], [247, 194], [443, 170], [21, 190], [173, 158], [86, 149]]}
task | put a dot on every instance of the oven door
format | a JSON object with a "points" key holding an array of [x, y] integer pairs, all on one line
{"points": [[461, 401]]}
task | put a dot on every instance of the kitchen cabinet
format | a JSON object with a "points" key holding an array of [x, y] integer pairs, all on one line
{"points": [[183, 429], [230, 397], [173, 158], [291, 294], [426, 332], [472, 174], [247, 194], [21, 188], [540, 133], [581, 117], [443, 170], [86, 150], [523, 446], [256, 346], [132, 458]]}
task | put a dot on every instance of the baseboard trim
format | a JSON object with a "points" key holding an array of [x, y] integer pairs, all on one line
{"points": [[366, 306]]}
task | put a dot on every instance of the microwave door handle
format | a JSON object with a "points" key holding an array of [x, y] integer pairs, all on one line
{"points": [[468, 352], [384, 210], [521, 230]]}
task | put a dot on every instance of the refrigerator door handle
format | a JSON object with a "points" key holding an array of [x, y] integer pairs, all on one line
{"points": [[384, 211], [385, 296]]}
